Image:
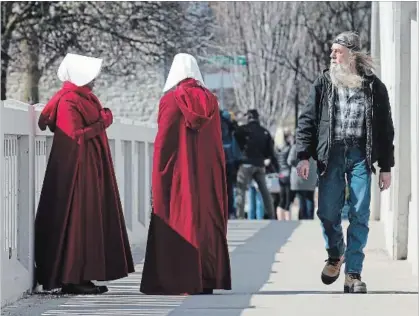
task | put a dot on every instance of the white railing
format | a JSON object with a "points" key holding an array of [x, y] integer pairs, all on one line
{"points": [[25, 151]]}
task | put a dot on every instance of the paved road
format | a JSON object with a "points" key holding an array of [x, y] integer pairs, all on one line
{"points": [[276, 271]]}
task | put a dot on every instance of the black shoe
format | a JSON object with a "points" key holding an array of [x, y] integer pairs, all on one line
{"points": [[83, 289], [207, 292], [102, 288]]}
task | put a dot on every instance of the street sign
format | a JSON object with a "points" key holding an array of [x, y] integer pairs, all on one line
{"points": [[228, 60]]}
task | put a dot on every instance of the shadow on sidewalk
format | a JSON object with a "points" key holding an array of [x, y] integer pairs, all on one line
{"points": [[253, 245], [385, 292], [251, 265]]}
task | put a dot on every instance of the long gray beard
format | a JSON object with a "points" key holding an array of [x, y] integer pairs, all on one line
{"points": [[342, 77]]}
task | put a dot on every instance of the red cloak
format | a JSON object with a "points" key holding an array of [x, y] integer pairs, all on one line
{"points": [[80, 232], [187, 246]]}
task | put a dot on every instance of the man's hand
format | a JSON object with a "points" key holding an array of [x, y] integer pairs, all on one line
{"points": [[384, 180], [303, 168]]}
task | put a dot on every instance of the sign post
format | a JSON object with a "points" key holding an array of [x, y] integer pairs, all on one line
{"points": [[225, 61]]}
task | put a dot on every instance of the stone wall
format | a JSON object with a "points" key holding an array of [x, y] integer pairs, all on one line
{"points": [[131, 97]]}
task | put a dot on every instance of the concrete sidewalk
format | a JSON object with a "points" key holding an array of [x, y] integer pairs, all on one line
{"points": [[276, 270]]}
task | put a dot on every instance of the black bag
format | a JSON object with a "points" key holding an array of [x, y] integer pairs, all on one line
{"points": [[284, 176]]}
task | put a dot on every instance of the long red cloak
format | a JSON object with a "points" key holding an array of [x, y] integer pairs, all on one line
{"points": [[80, 232], [187, 246]]}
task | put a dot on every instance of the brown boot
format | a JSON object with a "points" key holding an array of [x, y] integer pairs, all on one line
{"points": [[353, 284], [331, 270]]}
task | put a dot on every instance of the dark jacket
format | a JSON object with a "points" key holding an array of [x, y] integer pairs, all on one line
{"points": [[256, 144], [315, 124], [231, 149]]}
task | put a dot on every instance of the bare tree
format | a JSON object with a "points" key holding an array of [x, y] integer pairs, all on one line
{"points": [[317, 24], [131, 36], [42, 32], [287, 45], [260, 31], [188, 27]]}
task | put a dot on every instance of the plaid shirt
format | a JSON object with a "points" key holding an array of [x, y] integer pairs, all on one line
{"points": [[350, 114]]}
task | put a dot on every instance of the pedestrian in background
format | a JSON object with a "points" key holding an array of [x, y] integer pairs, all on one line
{"points": [[304, 189], [284, 140], [232, 155], [256, 145]]}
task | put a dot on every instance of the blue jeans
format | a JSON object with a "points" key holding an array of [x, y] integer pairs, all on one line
{"points": [[306, 202], [256, 210], [352, 162], [230, 190]]}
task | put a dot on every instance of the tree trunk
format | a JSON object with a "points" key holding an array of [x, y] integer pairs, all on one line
{"points": [[33, 73], [297, 103], [4, 67], [297, 90]]}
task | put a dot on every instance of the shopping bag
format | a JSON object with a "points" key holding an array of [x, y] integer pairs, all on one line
{"points": [[272, 182]]}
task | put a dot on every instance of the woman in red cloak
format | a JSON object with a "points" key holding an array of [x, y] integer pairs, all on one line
{"points": [[80, 232], [187, 250]]}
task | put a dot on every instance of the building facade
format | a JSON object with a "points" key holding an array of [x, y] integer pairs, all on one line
{"points": [[394, 43]]}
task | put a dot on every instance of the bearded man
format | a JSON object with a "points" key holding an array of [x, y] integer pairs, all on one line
{"points": [[346, 126]]}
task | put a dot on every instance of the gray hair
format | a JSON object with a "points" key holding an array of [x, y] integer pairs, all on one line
{"points": [[364, 63]]}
